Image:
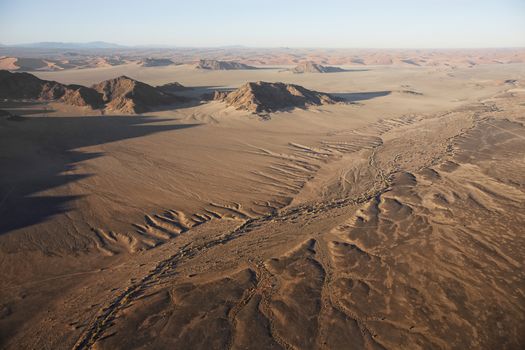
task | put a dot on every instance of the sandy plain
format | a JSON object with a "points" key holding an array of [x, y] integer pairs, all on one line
{"points": [[393, 222]]}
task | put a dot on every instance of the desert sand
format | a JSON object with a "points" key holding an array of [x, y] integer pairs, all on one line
{"points": [[391, 221], [227, 58]]}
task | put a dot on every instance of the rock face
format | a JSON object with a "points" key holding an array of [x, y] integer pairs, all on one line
{"points": [[264, 97], [156, 62], [27, 86], [173, 87], [222, 65], [126, 95], [18, 86], [82, 96], [122, 94], [312, 67]]}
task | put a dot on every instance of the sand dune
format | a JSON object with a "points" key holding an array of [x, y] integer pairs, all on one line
{"points": [[27, 64], [32, 64], [42, 59]]}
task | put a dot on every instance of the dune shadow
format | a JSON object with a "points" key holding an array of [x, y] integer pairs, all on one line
{"points": [[42, 153], [361, 96]]}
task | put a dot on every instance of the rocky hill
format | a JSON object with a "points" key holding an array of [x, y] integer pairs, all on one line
{"points": [[127, 95], [78, 95], [122, 94], [222, 65], [156, 62], [312, 67], [25, 86], [264, 97], [173, 87]]}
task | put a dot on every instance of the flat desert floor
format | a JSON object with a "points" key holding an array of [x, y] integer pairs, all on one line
{"points": [[393, 222]]}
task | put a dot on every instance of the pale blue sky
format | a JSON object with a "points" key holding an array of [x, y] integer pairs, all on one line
{"points": [[292, 23]]}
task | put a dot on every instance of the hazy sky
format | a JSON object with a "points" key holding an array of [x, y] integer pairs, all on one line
{"points": [[292, 23]]}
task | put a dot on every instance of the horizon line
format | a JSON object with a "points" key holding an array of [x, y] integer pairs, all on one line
{"points": [[239, 46]]}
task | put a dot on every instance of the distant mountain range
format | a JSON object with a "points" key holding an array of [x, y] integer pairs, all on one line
{"points": [[61, 45], [100, 45]]}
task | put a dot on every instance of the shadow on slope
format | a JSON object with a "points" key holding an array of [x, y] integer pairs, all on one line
{"points": [[40, 153], [362, 96]]}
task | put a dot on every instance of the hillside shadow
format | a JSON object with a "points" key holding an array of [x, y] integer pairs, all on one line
{"points": [[40, 153], [188, 102], [202, 94], [361, 96], [211, 88]]}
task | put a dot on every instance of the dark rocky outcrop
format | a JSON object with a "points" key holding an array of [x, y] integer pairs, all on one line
{"points": [[122, 94], [312, 67], [173, 87], [222, 65], [156, 62], [25, 86], [127, 95], [264, 97]]}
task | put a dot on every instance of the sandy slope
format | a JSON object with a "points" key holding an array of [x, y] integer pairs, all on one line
{"points": [[391, 223]]}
